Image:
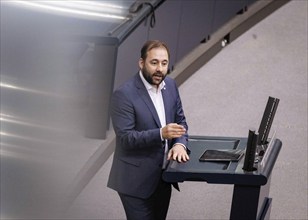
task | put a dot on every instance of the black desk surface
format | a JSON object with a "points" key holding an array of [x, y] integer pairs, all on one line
{"points": [[220, 172]]}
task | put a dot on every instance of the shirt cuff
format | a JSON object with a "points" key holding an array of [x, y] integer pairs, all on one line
{"points": [[181, 145], [161, 134]]}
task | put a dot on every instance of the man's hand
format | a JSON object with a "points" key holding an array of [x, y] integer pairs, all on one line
{"points": [[178, 153], [173, 130]]}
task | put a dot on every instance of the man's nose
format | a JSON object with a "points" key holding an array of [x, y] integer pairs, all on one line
{"points": [[159, 67]]}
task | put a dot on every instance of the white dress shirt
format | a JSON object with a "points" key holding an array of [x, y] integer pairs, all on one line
{"points": [[157, 99]]}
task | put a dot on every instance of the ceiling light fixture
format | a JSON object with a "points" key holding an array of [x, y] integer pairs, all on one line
{"points": [[84, 9]]}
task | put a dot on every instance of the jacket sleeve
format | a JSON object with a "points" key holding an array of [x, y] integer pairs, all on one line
{"points": [[180, 119]]}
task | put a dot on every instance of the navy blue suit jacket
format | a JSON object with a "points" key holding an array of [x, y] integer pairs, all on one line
{"points": [[138, 157]]}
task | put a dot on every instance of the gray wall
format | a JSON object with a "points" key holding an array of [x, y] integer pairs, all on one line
{"points": [[182, 25]]}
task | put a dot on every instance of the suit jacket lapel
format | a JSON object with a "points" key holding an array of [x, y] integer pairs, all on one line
{"points": [[146, 98], [167, 105], [166, 98]]}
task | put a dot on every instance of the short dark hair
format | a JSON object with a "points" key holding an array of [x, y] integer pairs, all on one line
{"points": [[151, 44]]}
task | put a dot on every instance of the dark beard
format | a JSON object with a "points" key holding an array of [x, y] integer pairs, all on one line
{"points": [[149, 79]]}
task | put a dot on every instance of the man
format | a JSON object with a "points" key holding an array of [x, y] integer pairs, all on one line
{"points": [[149, 123]]}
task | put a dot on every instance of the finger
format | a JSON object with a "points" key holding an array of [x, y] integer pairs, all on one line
{"points": [[179, 129], [179, 159], [176, 126], [174, 156], [182, 128], [179, 133], [185, 157]]}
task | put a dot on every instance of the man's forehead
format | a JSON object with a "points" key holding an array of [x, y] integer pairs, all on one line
{"points": [[158, 54]]}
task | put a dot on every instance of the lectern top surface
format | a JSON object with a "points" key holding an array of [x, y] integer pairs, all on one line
{"points": [[199, 145], [224, 172]]}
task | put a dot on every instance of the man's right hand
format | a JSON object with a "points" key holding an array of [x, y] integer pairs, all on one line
{"points": [[173, 130]]}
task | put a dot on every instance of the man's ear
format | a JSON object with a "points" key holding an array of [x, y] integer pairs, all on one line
{"points": [[141, 63]]}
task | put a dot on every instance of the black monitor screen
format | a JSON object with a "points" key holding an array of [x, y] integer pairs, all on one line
{"points": [[267, 120]]}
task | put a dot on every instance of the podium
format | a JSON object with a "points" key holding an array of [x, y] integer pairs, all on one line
{"points": [[250, 199]]}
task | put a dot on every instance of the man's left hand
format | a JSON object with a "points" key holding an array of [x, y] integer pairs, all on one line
{"points": [[178, 153]]}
